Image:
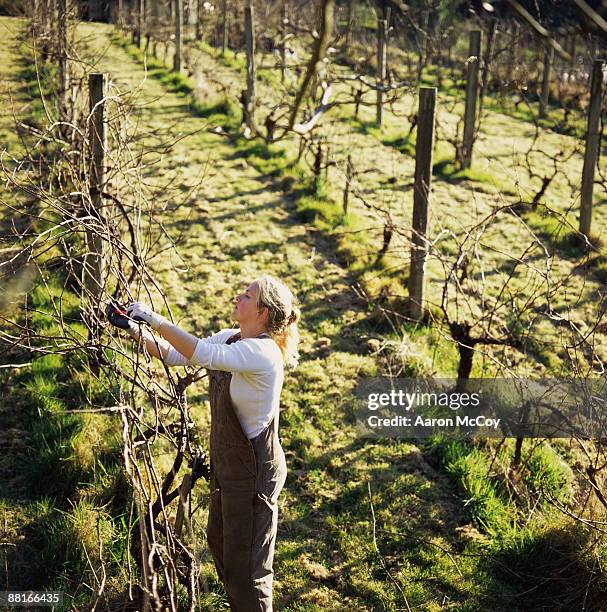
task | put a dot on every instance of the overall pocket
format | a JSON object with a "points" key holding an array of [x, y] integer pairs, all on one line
{"points": [[271, 478], [234, 469]]}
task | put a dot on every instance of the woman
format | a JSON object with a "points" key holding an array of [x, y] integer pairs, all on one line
{"points": [[248, 467]]}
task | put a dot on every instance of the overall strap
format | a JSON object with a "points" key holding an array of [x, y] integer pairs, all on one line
{"points": [[236, 337]]}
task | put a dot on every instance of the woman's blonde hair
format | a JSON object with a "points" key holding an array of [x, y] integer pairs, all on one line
{"points": [[283, 316]]}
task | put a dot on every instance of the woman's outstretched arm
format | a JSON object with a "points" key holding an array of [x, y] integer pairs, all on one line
{"points": [[184, 342], [159, 347]]}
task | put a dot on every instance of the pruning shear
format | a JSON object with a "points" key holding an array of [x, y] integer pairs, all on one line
{"points": [[117, 315]]}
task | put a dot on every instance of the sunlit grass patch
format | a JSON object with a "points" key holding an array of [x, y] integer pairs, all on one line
{"points": [[406, 144], [498, 495], [222, 112], [231, 59], [549, 475], [271, 160], [177, 83], [470, 468], [448, 170]]}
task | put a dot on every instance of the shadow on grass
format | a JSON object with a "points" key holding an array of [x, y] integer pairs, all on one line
{"points": [[413, 506], [423, 531], [552, 572], [404, 144]]}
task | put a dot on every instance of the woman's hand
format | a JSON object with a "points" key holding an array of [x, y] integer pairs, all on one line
{"points": [[118, 317], [138, 311], [126, 318]]}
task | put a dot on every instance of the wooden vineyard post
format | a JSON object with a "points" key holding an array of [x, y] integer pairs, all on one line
{"points": [[382, 28], [283, 42], [425, 50], [594, 49], [349, 22], [421, 199], [545, 93], [250, 41], [140, 21], [224, 27], [573, 54], [62, 23], [134, 21], [199, 20], [473, 62], [593, 44], [593, 137], [487, 60], [512, 54], [349, 174], [178, 40], [94, 261]]}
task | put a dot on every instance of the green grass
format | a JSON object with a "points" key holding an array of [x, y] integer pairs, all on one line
{"points": [[558, 232], [470, 469], [220, 111], [520, 105], [313, 202], [231, 59], [596, 266], [70, 457], [448, 170], [405, 144], [64, 442], [549, 475], [223, 112], [37, 78], [499, 500], [177, 83], [529, 541], [444, 168], [270, 160]]}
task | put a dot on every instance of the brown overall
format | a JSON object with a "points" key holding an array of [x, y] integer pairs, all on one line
{"points": [[246, 478]]}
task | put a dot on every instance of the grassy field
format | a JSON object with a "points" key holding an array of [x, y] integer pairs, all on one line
{"points": [[364, 525], [543, 236]]}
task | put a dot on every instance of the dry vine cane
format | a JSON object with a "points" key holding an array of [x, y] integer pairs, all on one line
{"points": [[54, 174]]}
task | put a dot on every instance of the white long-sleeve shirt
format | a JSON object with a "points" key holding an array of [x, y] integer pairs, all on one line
{"points": [[257, 374]]}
